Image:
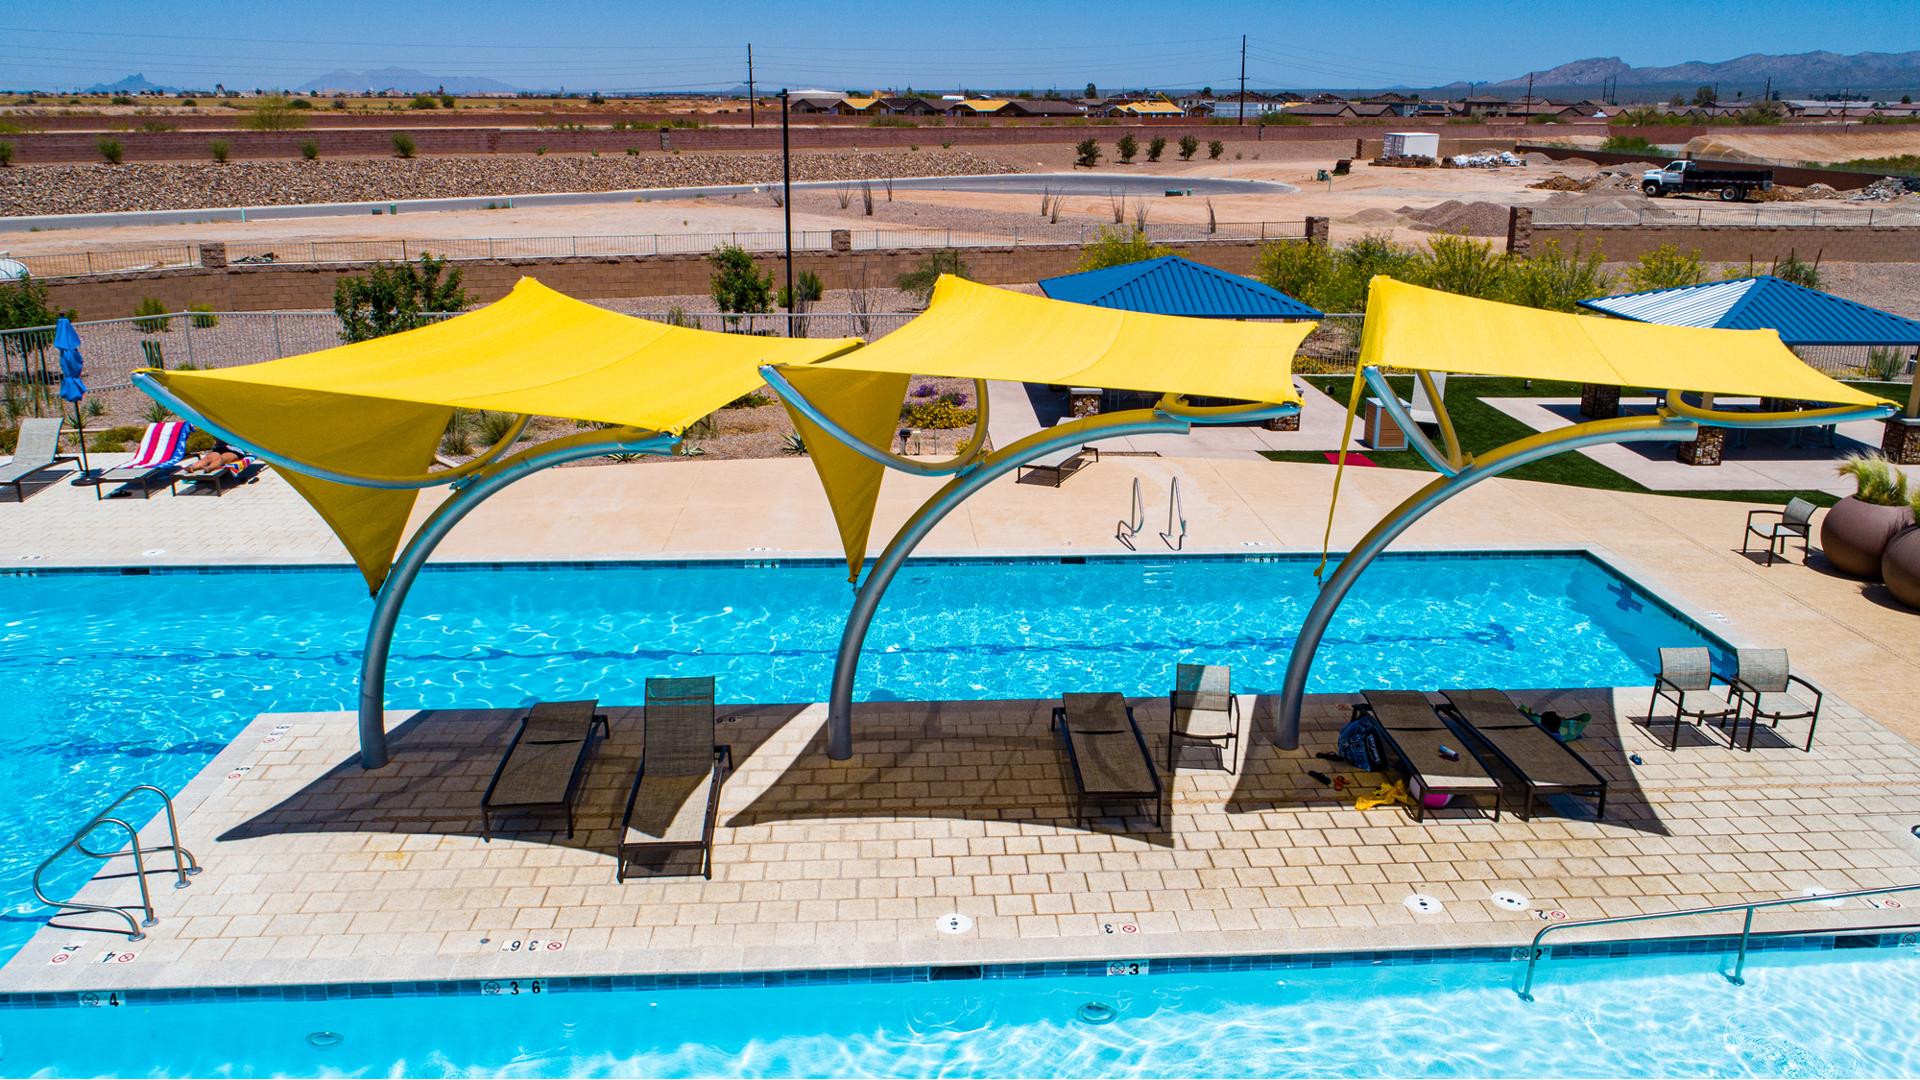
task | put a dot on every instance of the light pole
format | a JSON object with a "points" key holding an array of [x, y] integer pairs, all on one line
{"points": [[786, 201]]}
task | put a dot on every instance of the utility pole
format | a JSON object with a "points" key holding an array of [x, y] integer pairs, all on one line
{"points": [[786, 203], [1767, 94], [1243, 81], [1529, 92], [750, 100]]}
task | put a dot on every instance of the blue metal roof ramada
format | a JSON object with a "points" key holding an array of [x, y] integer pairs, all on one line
{"points": [[1802, 316], [1171, 285]]}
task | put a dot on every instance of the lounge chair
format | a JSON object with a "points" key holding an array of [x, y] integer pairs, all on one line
{"points": [[1417, 735], [1763, 686], [1106, 752], [1795, 520], [1687, 675], [676, 793], [1053, 469], [542, 767], [1202, 709], [36, 450], [153, 465], [218, 479], [1543, 764]]}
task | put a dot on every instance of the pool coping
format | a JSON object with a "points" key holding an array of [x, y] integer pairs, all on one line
{"points": [[1896, 936]]}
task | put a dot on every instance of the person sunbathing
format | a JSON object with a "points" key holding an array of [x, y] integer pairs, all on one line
{"points": [[221, 456]]}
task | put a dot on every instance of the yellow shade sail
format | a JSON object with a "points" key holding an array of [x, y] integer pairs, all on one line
{"points": [[379, 407], [1410, 327], [975, 331]]}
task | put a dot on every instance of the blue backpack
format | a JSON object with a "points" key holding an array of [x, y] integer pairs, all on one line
{"points": [[1360, 744]]}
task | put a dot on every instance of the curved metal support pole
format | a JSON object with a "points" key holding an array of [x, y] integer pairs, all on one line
{"points": [[386, 608], [1511, 456], [147, 385], [962, 459], [1677, 405], [1172, 417], [1445, 463]]}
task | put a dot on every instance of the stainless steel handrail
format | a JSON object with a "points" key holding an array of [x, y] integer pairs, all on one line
{"points": [[1534, 952], [1176, 513], [184, 865], [1136, 520]]}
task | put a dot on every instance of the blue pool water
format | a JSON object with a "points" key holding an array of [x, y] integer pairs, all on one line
{"points": [[1800, 1015], [115, 679]]}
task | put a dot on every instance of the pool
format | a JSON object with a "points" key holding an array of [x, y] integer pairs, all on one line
{"points": [[117, 678], [1835, 1012]]}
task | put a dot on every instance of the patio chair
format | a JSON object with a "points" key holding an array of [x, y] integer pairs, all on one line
{"points": [[676, 794], [153, 465], [1053, 469], [1543, 764], [36, 450], [1765, 687], [1687, 674], [1417, 735], [543, 764], [1202, 709], [1106, 753], [1795, 520]]}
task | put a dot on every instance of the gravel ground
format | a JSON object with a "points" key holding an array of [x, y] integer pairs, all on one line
{"points": [[102, 188]]}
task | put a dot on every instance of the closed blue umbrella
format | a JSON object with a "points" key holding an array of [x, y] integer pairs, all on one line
{"points": [[72, 387]]}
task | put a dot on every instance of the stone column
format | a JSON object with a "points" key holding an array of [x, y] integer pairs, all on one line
{"points": [[1318, 230], [1705, 450], [1519, 230], [1901, 440], [1599, 402], [841, 240], [213, 254]]}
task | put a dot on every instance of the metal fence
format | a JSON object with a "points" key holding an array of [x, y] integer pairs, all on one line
{"points": [[110, 261], [1785, 215]]}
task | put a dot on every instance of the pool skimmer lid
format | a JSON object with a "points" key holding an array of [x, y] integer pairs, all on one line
{"points": [[325, 1039], [956, 923], [1422, 904], [1511, 900], [1096, 1012]]}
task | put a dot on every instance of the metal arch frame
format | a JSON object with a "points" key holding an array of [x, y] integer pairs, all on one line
{"points": [[151, 387], [970, 471], [962, 459], [1678, 422]]}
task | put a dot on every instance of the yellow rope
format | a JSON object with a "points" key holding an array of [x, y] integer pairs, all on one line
{"points": [[1340, 469]]}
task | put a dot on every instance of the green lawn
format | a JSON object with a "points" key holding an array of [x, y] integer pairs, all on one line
{"points": [[1482, 427]]}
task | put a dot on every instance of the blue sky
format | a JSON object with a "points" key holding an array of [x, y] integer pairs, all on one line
{"points": [[940, 43]]}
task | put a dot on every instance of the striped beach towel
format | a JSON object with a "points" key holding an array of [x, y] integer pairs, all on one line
{"points": [[164, 444]]}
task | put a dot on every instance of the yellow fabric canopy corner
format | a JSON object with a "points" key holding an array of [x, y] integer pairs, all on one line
{"points": [[1411, 327], [975, 331], [380, 407]]}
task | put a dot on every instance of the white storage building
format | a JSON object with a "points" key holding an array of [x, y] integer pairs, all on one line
{"points": [[1413, 144]]}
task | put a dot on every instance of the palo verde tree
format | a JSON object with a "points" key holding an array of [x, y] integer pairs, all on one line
{"points": [[738, 287], [396, 296]]}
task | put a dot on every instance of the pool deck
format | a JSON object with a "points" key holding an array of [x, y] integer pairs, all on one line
{"points": [[317, 872]]}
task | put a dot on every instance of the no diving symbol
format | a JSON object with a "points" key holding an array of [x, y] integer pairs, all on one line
{"points": [[1556, 915], [1120, 928]]}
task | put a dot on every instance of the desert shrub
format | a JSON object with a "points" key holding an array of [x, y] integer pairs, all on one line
{"points": [[1629, 144], [1282, 119], [1189, 146], [299, 103], [1115, 247], [1666, 267], [1156, 147], [891, 122], [937, 414], [402, 145], [738, 287], [153, 353], [807, 289], [446, 101], [920, 280], [752, 399], [151, 316], [1215, 148], [1798, 271], [199, 442], [111, 151], [310, 150], [1552, 279], [1128, 147], [1297, 268], [1459, 264], [120, 99], [275, 113], [457, 439], [793, 445], [115, 439], [393, 297], [1875, 480], [220, 150], [156, 127], [492, 426], [1087, 153], [202, 317], [1883, 364], [424, 101], [188, 103], [6, 154]]}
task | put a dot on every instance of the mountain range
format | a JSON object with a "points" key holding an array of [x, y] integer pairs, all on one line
{"points": [[1795, 72], [132, 84], [404, 79]]}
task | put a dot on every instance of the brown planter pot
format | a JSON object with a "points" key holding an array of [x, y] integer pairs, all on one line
{"points": [[1854, 534], [1900, 567]]}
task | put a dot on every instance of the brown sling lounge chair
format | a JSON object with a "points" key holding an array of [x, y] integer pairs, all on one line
{"points": [[1416, 734], [1106, 752], [542, 767], [1543, 764], [676, 794]]}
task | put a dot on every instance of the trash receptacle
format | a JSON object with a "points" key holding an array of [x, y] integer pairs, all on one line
{"points": [[1382, 432]]}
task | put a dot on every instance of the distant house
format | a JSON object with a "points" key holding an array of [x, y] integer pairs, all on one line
{"points": [[1030, 107], [909, 106], [859, 106], [976, 106], [1151, 110], [1373, 109], [1482, 105], [1322, 110], [814, 103]]}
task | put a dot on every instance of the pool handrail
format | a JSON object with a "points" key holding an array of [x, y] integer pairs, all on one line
{"points": [[1535, 952], [184, 865]]}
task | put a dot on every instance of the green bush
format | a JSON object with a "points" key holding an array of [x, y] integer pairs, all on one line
{"points": [[1189, 146], [1117, 247], [202, 317], [493, 426], [1087, 153], [891, 122], [1128, 147], [393, 297], [1666, 267], [1460, 265], [6, 154], [151, 316], [424, 101], [115, 439], [1798, 271], [1894, 165], [220, 150], [807, 289], [1215, 149], [1629, 144], [1556, 281], [1296, 267], [738, 287], [1156, 147], [937, 414], [1282, 119], [199, 442], [153, 353], [446, 101], [1875, 480], [402, 145], [299, 103], [920, 280], [111, 151], [310, 150], [275, 113]]}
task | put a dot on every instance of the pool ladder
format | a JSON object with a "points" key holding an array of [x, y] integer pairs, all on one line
{"points": [[1136, 520], [184, 866], [1736, 977]]}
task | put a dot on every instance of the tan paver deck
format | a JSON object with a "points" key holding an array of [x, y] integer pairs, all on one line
{"points": [[318, 871]]}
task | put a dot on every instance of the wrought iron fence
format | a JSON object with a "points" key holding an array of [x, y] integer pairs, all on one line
{"points": [[1784, 215], [108, 261]]}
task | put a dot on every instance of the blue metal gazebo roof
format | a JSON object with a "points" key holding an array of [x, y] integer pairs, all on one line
{"points": [[1171, 285], [1802, 316]]}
